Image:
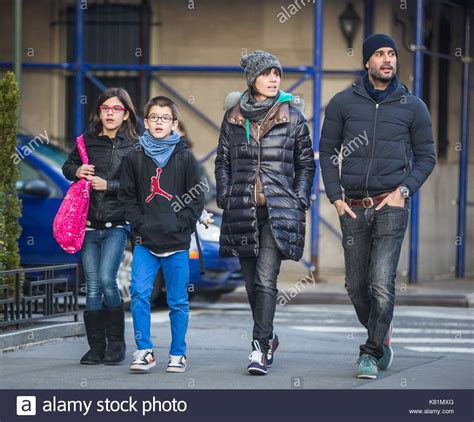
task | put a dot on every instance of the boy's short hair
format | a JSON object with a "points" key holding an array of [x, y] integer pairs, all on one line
{"points": [[162, 101]]}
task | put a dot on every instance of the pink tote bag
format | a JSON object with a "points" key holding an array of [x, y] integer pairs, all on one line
{"points": [[69, 226]]}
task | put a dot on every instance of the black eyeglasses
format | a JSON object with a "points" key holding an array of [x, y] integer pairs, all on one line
{"points": [[166, 118]]}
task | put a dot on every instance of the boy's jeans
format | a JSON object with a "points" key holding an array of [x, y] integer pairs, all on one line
{"points": [[102, 253], [372, 244], [145, 266]]}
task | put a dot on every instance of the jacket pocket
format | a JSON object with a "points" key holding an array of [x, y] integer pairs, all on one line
{"points": [[160, 223], [405, 156]]}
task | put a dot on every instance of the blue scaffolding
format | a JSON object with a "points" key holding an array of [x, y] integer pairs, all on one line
{"points": [[315, 72]]}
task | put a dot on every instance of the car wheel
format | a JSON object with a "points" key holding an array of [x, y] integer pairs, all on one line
{"points": [[211, 297], [81, 280], [124, 275]]}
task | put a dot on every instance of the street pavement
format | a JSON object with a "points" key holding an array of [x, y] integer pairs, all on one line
{"points": [[434, 349]]}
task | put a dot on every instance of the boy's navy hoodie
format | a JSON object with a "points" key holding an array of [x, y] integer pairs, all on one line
{"points": [[163, 205]]}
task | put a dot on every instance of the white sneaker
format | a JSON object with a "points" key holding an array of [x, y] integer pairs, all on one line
{"points": [[177, 364], [258, 360], [143, 360]]}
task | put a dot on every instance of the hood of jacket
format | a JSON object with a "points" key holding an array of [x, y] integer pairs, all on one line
{"points": [[280, 113]]}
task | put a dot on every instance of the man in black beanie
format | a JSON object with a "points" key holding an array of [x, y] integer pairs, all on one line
{"points": [[376, 151]]}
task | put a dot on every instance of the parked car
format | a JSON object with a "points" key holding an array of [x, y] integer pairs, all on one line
{"points": [[42, 187]]}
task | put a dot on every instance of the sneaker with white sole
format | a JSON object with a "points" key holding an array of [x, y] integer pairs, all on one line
{"points": [[143, 360], [386, 360], [367, 367], [258, 360], [274, 343], [177, 364]]}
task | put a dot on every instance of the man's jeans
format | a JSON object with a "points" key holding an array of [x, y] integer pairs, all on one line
{"points": [[145, 265], [102, 253], [372, 244], [260, 274]]}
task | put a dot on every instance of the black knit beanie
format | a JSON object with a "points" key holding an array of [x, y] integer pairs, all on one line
{"points": [[374, 42]]}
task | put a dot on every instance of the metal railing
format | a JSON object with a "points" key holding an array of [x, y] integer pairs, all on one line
{"points": [[41, 295]]}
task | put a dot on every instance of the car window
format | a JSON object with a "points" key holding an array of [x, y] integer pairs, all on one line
{"points": [[53, 155], [28, 172]]}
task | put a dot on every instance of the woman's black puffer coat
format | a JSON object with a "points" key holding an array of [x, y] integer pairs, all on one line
{"points": [[281, 153]]}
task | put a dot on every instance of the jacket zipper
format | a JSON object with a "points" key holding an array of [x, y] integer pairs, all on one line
{"points": [[258, 170], [258, 157], [377, 105], [114, 144], [373, 147], [258, 166]]}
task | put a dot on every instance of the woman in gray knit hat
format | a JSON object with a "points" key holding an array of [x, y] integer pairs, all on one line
{"points": [[264, 175]]}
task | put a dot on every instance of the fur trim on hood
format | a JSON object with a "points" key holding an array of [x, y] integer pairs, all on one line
{"points": [[233, 98]]}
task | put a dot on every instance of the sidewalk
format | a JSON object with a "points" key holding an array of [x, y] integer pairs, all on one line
{"points": [[319, 345], [296, 287]]}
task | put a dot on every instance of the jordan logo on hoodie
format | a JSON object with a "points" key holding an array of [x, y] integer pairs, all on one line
{"points": [[155, 188]]}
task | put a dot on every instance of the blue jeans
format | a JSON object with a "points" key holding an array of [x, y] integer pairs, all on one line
{"points": [[102, 253], [372, 244], [145, 266]]}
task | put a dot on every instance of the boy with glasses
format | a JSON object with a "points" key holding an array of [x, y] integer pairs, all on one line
{"points": [[160, 198]]}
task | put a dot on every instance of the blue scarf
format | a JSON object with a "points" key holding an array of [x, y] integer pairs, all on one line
{"points": [[379, 95], [159, 150]]}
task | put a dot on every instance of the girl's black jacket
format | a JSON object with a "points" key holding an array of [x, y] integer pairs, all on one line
{"points": [[107, 155]]}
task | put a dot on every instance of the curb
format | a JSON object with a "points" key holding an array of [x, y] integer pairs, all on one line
{"points": [[334, 298], [33, 335]]}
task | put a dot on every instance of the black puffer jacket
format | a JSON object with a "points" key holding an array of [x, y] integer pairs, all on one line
{"points": [[378, 141], [107, 155], [284, 156]]}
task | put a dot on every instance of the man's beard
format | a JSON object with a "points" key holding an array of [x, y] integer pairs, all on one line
{"points": [[378, 76]]}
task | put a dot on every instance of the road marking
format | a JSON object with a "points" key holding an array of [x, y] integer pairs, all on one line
{"points": [[431, 340], [308, 320], [441, 349], [163, 316], [326, 329], [438, 315]]}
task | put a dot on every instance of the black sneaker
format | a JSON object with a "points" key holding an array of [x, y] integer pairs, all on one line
{"points": [[274, 343], [258, 361]]}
